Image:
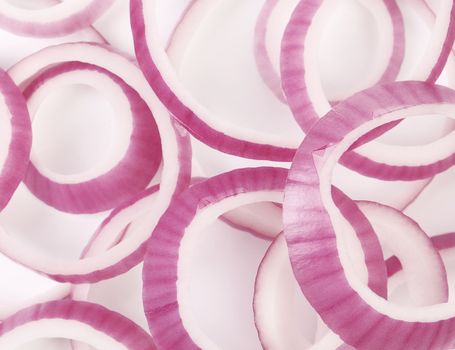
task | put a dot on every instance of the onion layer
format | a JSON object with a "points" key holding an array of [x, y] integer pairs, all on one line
{"points": [[110, 184], [61, 19], [15, 152], [164, 280], [174, 175], [86, 322], [360, 317]]}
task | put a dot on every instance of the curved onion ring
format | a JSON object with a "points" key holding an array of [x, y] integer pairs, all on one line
{"points": [[163, 297], [301, 83], [63, 18], [192, 18], [86, 322], [272, 304], [346, 306], [162, 77], [390, 15], [14, 155], [112, 181], [58, 292], [174, 175], [165, 282]]}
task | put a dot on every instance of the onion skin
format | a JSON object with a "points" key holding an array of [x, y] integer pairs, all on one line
{"points": [[311, 239]]}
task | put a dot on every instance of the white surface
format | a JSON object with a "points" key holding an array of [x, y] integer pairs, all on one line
{"points": [[220, 71]]}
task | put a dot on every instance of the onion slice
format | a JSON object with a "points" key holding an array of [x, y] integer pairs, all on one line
{"points": [[113, 181], [164, 278], [86, 322], [360, 317], [214, 132], [263, 61], [384, 18], [58, 292], [250, 218], [300, 80], [367, 160], [422, 265], [441, 242], [278, 305], [175, 172], [17, 136], [60, 19]]}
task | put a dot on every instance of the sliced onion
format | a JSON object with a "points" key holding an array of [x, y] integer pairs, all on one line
{"points": [[164, 276], [277, 306], [58, 292], [275, 300], [86, 322], [422, 265], [17, 138], [114, 179], [300, 80], [263, 61], [250, 218], [174, 174], [441, 242], [389, 66], [368, 260], [360, 317], [301, 84], [214, 132], [368, 159], [60, 19]]}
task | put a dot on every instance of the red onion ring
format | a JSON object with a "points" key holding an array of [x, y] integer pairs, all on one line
{"points": [[174, 174], [272, 77], [441, 242], [166, 313], [365, 163], [261, 55], [162, 78], [64, 18], [87, 322], [14, 155], [250, 218], [60, 291], [387, 326], [275, 280], [209, 199], [95, 192], [301, 85]]}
